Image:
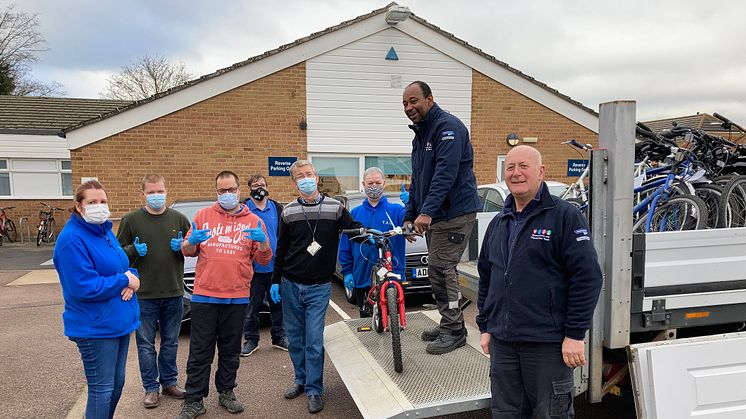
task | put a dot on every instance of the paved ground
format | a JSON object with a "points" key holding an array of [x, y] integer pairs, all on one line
{"points": [[43, 376]]}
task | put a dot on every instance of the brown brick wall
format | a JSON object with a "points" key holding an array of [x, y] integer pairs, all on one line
{"points": [[30, 208], [236, 131], [497, 111]]}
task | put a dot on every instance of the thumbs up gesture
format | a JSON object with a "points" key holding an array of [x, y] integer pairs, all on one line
{"points": [[257, 233], [404, 195], [176, 243], [142, 248], [198, 236]]}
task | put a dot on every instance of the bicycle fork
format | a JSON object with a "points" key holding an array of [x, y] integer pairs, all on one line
{"points": [[399, 302]]}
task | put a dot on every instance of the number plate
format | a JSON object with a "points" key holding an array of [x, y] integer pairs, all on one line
{"points": [[419, 272]]}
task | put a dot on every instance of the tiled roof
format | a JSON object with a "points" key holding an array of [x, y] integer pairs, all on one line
{"points": [[317, 35], [703, 121], [49, 115]]}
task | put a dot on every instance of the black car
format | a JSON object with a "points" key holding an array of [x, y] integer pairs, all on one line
{"points": [[416, 280]]}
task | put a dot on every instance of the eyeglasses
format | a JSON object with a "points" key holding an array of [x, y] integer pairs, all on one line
{"points": [[229, 190]]}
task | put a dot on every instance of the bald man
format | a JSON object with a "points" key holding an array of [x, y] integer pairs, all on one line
{"points": [[539, 281]]}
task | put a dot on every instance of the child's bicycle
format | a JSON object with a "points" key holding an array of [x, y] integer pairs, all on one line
{"points": [[386, 295]]}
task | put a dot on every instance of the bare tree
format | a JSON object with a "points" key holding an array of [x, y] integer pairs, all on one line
{"points": [[145, 77], [20, 45]]}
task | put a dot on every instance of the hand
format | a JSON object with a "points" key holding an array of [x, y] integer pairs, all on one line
{"points": [[349, 281], [142, 248], [274, 293], [198, 236], [127, 294], [484, 342], [573, 352], [176, 243], [256, 233], [404, 195], [134, 282], [408, 226], [422, 223]]}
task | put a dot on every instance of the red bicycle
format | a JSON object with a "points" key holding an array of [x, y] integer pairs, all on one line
{"points": [[7, 227]]}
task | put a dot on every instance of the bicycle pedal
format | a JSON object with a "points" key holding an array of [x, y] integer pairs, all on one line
{"points": [[364, 328]]}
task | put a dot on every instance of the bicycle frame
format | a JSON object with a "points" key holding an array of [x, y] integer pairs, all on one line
{"points": [[384, 275]]}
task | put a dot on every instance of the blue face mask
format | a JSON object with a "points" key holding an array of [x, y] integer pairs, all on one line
{"points": [[307, 185], [156, 201], [228, 200]]}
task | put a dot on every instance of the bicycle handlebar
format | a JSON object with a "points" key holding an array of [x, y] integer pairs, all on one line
{"points": [[4, 208], [727, 123], [397, 231], [51, 207]]}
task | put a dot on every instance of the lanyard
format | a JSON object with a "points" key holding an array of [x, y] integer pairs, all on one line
{"points": [[318, 217]]}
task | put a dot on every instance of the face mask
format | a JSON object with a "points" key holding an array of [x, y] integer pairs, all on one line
{"points": [[96, 213], [259, 193], [156, 201], [228, 200], [307, 185], [374, 192]]}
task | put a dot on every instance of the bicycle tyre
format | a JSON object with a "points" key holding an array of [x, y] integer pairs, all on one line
{"points": [[689, 211], [2, 237], [711, 193], [41, 234], [393, 309], [733, 198], [581, 205], [10, 231], [51, 231]]}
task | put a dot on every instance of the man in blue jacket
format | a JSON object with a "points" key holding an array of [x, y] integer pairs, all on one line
{"points": [[357, 260], [443, 202], [539, 281]]}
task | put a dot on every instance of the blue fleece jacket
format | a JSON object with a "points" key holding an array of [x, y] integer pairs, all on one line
{"points": [[546, 287], [443, 182], [359, 259], [91, 266]]}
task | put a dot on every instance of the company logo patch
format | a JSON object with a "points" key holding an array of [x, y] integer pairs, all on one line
{"points": [[582, 238], [447, 135], [429, 146], [541, 234], [583, 231]]}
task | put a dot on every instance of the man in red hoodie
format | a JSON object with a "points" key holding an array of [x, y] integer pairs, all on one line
{"points": [[226, 238]]}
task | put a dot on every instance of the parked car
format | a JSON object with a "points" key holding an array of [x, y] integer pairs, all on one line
{"points": [[416, 280], [493, 195]]}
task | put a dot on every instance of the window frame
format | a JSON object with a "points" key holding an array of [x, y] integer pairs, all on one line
{"points": [[57, 170], [361, 164]]}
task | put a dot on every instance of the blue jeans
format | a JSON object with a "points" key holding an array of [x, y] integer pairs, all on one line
{"points": [[104, 361], [304, 308], [163, 314], [260, 285], [530, 380]]}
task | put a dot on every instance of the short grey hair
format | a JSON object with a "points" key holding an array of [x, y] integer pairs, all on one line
{"points": [[300, 163], [372, 170]]}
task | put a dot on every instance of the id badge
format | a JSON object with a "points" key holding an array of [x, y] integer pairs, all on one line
{"points": [[313, 248]]}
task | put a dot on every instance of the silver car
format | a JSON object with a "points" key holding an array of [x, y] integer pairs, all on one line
{"points": [[493, 195]]}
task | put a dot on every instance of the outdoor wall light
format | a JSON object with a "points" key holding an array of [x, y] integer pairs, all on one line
{"points": [[512, 139], [303, 124], [397, 14]]}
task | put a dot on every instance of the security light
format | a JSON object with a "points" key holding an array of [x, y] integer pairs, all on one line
{"points": [[397, 14]]}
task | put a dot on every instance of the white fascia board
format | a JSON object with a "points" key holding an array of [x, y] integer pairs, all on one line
{"points": [[230, 80], [499, 73], [22, 146]]}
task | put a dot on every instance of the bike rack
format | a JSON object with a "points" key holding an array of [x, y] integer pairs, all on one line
{"points": [[21, 222]]}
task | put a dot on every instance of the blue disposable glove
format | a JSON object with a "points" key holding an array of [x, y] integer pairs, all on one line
{"points": [[404, 195], [274, 293], [198, 236], [256, 233], [142, 248], [349, 281], [176, 243]]}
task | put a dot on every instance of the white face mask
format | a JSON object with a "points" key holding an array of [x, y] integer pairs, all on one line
{"points": [[96, 213]]}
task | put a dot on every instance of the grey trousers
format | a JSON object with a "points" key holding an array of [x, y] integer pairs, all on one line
{"points": [[446, 242]]}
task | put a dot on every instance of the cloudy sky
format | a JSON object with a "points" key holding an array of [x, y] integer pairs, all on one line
{"points": [[673, 57]]}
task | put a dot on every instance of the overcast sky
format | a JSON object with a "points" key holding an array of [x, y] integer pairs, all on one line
{"points": [[674, 58]]}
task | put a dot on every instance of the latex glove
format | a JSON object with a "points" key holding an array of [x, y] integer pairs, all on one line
{"points": [[349, 281], [404, 195], [256, 233], [142, 248], [176, 243], [198, 236], [274, 293]]}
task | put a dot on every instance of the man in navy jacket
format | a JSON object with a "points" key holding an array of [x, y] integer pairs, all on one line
{"points": [[443, 203], [539, 281]]}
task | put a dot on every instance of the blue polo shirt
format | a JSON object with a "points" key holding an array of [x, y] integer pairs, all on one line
{"points": [[269, 218]]}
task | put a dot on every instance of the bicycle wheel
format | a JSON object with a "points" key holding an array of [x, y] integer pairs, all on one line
{"points": [[51, 230], [41, 234], [710, 193], [680, 212], [581, 205], [733, 203], [10, 231], [393, 308]]}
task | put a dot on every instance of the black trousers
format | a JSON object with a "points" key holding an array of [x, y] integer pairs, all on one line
{"points": [[361, 299], [214, 324]]}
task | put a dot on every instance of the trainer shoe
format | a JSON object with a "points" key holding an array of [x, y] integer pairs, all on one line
{"points": [[249, 347], [294, 391], [446, 342], [227, 399], [315, 403], [281, 343], [190, 410]]}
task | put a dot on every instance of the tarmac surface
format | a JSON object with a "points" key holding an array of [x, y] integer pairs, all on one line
{"points": [[43, 376]]}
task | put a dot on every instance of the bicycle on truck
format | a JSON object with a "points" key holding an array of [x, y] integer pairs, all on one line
{"points": [[7, 227], [47, 225], [386, 295]]}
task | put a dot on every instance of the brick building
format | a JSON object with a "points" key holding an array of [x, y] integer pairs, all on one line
{"points": [[333, 97]]}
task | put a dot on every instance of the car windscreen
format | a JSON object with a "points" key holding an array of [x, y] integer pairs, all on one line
{"points": [[189, 209]]}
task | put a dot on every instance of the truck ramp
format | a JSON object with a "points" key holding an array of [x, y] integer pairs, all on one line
{"points": [[430, 385]]}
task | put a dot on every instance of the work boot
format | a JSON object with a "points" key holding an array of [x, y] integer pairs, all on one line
{"points": [[151, 399], [190, 410], [429, 335], [294, 391], [227, 399], [315, 403], [446, 342]]}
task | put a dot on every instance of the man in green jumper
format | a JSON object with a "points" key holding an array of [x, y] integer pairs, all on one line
{"points": [[152, 236]]}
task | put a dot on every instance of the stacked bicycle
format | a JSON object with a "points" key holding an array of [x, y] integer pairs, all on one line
{"points": [[46, 230], [386, 295], [7, 227]]}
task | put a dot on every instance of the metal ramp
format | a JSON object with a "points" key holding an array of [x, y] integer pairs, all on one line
{"points": [[430, 385]]}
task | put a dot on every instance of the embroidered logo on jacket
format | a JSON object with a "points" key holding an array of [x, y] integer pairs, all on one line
{"points": [[582, 234], [447, 135], [541, 234]]}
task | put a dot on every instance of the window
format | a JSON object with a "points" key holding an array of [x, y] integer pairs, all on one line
{"points": [[500, 168], [4, 178], [397, 169], [66, 177], [35, 178], [337, 175]]}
